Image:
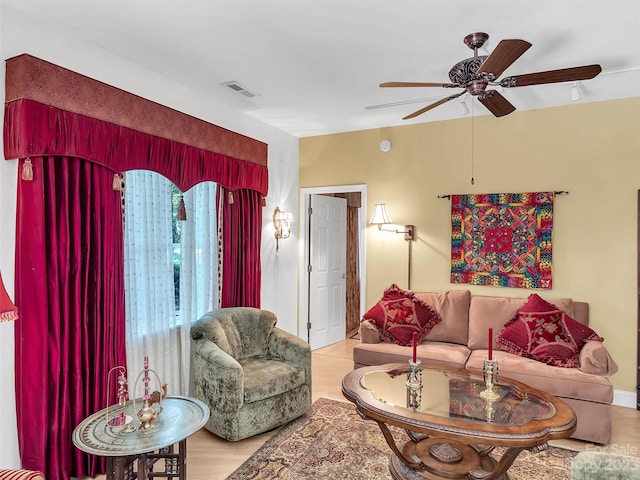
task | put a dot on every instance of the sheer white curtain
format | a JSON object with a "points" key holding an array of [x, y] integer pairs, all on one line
{"points": [[149, 284], [199, 263], [155, 327]]}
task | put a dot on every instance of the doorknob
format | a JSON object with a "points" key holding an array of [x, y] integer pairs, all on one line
{"points": [[344, 275]]}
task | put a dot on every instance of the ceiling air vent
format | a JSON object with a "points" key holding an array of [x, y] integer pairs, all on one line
{"points": [[236, 87]]}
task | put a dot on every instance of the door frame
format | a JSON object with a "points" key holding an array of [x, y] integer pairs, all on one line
{"points": [[303, 252]]}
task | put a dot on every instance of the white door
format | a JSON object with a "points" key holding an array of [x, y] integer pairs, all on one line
{"points": [[327, 270]]}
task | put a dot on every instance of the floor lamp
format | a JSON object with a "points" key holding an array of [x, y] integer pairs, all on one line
{"points": [[380, 218]]}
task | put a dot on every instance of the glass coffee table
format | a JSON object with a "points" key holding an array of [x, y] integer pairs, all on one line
{"points": [[452, 426]]}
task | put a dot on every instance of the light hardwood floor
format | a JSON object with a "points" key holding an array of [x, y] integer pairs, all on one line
{"points": [[211, 458]]}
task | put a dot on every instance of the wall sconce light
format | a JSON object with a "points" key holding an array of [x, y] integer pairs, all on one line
{"points": [[282, 223], [380, 217], [8, 310]]}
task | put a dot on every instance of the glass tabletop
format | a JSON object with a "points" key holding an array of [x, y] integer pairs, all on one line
{"points": [[455, 395]]}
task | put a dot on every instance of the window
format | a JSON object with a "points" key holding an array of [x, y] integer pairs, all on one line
{"points": [[176, 228], [170, 272]]}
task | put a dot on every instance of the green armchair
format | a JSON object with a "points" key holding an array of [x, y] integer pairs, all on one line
{"points": [[252, 375]]}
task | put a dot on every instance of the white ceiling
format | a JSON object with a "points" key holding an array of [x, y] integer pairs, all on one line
{"points": [[316, 65]]}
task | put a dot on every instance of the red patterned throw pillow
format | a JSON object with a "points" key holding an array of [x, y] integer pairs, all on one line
{"points": [[399, 313], [545, 333]]}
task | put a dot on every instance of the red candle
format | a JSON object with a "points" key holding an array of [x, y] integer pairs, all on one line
{"points": [[415, 344], [491, 344]]}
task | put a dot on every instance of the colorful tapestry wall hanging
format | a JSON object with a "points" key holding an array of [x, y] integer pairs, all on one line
{"points": [[502, 239]]}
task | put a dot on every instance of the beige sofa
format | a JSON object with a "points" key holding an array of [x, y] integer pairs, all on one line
{"points": [[461, 340]]}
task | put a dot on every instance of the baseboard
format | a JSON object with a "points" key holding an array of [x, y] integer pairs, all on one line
{"points": [[622, 398]]}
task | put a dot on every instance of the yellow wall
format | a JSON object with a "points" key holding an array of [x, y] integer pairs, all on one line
{"points": [[591, 150]]}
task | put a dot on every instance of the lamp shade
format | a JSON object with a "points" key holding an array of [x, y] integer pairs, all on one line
{"points": [[285, 216], [8, 310], [380, 215]]}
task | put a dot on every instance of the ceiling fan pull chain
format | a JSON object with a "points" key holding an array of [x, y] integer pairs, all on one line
{"points": [[473, 122]]}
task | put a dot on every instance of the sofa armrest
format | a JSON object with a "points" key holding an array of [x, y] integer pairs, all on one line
{"points": [[218, 377], [290, 348], [369, 333], [595, 359]]}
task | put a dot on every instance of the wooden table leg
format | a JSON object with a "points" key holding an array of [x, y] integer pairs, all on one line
{"points": [[143, 467], [182, 459], [121, 468], [118, 467]]}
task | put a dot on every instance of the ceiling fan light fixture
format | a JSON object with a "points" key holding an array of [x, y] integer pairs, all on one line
{"points": [[463, 105], [575, 92]]}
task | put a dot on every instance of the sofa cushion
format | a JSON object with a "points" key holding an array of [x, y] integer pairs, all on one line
{"points": [[265, 378], [453, 307], [543, 332], [558, 381], [494, 312], [399, 314], [432, 353]]}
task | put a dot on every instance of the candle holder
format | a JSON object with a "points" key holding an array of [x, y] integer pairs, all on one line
{"points": [[489, 409], [490, 373], [414, 384]]}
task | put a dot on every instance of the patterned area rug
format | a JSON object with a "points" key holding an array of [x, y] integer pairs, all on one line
{"points": [[333, 442]]}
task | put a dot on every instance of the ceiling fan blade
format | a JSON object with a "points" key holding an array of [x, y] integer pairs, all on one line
{"points": [[507, 52], [496, 103], [433, 105], [419, 84], [572, 74]]}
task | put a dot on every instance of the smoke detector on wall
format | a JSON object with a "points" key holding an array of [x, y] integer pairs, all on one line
{"points": [[236, 87], [385, 146]]}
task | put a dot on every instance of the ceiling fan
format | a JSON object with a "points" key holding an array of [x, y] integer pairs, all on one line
{"points": [[477, 73]]}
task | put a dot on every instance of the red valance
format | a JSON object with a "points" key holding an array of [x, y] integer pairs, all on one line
{"points": [[51, 110], [34, 129]]}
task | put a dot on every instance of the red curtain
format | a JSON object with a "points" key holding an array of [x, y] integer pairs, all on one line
{"points": [[241, 236], [69, 285], [69, 257]]}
